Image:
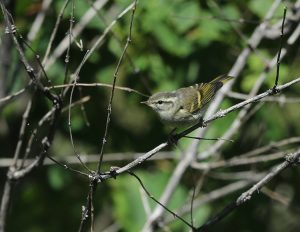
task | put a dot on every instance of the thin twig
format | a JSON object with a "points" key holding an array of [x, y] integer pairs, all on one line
{"points": [[67, 60], [238, 161], [130, 90], [21, 133], [209, 139], [272, 145], [41, 122], [39, 19], [135, 69], [109, 108], [226, 19], [154, 199], [54, 31], [88, 211], [93, 158], [11, 29], [79, 27], [291, 159], [279, 51], [211, 196], [276, 196], [282, 99], [9, 185], [192, 203], [66, 166], [102, 37]]}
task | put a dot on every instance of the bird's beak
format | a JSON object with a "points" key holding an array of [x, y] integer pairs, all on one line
{"points": [[145, 102]]}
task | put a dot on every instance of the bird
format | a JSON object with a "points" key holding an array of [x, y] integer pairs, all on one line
{"points": [[185, 106]]}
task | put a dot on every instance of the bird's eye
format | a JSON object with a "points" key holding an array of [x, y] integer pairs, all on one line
{"points": [[160, 102]]}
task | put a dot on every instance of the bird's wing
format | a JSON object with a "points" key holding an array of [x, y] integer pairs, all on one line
{"points": [[191, 102], [208, 91], [202, 93]]}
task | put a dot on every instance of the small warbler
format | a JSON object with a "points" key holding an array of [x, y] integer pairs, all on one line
{"points": [[185, 106]]}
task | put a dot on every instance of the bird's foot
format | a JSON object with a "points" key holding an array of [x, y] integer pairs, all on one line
{"points": [[173, 137], [202, 123]]}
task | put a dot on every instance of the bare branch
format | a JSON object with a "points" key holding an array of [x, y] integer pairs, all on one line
{"points": [[109, 108], [291, 159], [279, 51], [130, 90], [59, 50]]}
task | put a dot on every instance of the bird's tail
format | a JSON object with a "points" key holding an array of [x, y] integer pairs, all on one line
{"points": [[223, 79]]}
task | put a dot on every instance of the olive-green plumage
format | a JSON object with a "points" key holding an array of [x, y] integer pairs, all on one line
{"points": [[186, 105]]}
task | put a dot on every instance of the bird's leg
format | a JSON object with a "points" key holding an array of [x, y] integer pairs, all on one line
{"points": [[173, 137], [202, 123]]}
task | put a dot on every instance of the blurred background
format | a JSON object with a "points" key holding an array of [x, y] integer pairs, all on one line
{"points": [[174, 44]]}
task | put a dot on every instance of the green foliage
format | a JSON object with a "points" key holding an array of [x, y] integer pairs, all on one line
{"points": [[174, 44], [261, 7]]}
